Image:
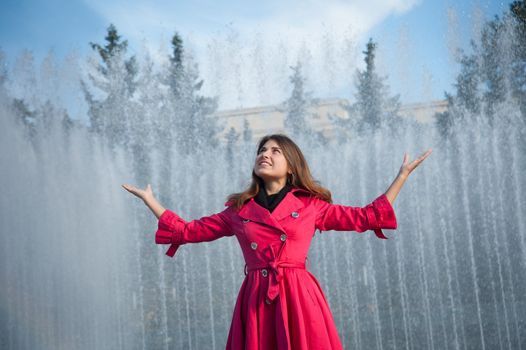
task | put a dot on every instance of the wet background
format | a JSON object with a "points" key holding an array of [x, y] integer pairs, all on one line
{"points": [[78, 265]]}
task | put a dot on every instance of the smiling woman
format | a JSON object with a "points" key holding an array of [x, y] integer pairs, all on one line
{"points": [[271, 166], [280, 304]]}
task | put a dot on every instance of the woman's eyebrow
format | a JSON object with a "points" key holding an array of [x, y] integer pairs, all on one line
{"points": [[273, 147]]}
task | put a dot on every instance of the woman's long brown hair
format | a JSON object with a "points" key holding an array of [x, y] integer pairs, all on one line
{"points": [[302, 177]]}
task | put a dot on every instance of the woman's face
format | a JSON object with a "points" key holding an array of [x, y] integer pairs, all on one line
{"points": [[270, 162]]}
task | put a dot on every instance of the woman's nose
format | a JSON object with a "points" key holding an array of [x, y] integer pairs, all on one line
{"points": [[265, 154]]}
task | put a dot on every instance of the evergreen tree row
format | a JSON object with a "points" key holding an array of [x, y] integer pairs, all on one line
{"points": [[140, 108], [492, 74]]}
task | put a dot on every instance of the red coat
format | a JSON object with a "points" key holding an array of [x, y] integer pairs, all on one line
{"points": [[280, 304]]}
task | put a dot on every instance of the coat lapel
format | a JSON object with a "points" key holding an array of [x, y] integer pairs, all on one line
{"points": [[254, 212], [289, 204]]}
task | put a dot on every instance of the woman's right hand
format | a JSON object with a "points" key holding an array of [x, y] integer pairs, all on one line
{"points": [[142, 194]]}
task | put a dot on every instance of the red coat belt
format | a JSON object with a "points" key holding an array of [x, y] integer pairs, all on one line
{"points": [[276, 267]]}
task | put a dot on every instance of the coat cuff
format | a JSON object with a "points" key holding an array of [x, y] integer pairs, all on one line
{"points": [[380, 214], [167, 232]]}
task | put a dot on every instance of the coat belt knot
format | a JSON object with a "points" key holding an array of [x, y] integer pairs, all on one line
{"points": [[274, 266], [277, 276]]}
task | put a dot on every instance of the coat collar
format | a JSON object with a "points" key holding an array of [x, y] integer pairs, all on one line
{"points": [[290, 203]]}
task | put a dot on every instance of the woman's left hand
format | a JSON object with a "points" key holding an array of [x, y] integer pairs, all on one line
{"points": [[407, 167]]}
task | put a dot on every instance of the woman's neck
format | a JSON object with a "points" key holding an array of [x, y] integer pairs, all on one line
{"points": [[273, 187]]}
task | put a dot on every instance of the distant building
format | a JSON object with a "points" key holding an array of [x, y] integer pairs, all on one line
{"points": [[269, 119], [423, 112]]}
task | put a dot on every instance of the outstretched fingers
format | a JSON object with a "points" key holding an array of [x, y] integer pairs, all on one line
{"points": [[129, 188], [134, 190], [420, 159], [425, 155], [406, 159]]}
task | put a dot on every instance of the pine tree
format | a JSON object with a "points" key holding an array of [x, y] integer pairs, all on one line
{"points": [[297, 104], [495, 68], [176, 68], [232, 136], [25, 115], [467, 98], [373, 104], [67, 123], [247, 142], [444, 120], [468, 84], [369, 100], [492, 65], [518, 79], [373, 107], [196, 126], [247, 132], [24, 83], [115, 77]]}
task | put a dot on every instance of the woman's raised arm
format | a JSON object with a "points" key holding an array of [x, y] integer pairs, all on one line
{"points": [[404, 172], [148, 198], [174, 230]]}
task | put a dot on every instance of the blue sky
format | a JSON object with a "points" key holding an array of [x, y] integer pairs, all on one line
{"points": [[416, 38]]}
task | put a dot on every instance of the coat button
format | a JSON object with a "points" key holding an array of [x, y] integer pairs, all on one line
{"points": [[295, 214], [264, 272], [246, 220], [283, 237], [268, 301], [253, 245]]}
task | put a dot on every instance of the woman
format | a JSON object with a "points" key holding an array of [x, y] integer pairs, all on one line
{"points": [[280, 303]]}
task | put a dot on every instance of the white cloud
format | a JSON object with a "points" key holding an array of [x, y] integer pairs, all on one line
{"points": [[295, 25], [294, 20]]}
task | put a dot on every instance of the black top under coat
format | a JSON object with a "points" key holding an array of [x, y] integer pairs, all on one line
{"points": [[270, 202]]}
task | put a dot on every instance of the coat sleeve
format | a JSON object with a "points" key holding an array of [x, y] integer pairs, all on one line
{"points": [[173, 230], [375, 216]]}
